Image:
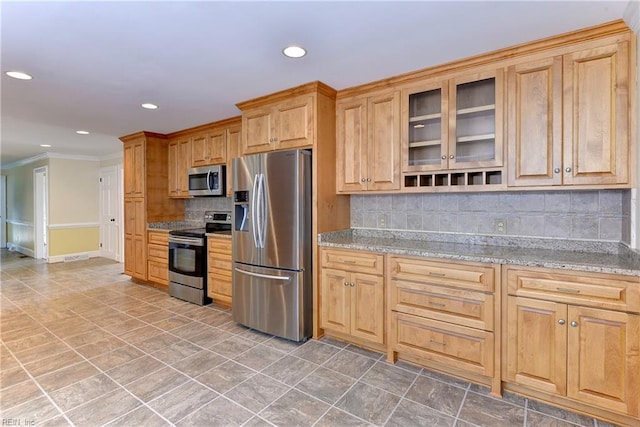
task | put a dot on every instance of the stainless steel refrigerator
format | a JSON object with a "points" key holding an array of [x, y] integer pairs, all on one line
{"points": [[272, 268]]}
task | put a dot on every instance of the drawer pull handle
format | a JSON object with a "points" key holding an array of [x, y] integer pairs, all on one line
{"points": [[436, 342], [568, 291], [433, 273], [436, 304], [349, 262]]}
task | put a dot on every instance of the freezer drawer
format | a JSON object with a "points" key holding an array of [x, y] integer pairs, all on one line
{"points": [[273, 301]]}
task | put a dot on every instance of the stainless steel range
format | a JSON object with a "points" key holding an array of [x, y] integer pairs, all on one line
{"points": [[188, 258]]}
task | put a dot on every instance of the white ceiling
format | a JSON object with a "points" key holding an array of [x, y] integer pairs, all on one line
{"points": [[94, 63]]}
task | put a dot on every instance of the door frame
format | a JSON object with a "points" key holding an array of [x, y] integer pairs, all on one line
{"points": [[3, 211], [41, 212], [119, 173]]}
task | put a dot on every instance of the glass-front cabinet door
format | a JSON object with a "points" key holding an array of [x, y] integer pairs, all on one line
{"points": [[454, 124], [425, 138], [475, 121]]}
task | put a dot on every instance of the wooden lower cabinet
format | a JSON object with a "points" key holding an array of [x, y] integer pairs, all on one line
{"points": [[562, 343], [158, 258], [352, 295], [219, 265], [443, 314]]}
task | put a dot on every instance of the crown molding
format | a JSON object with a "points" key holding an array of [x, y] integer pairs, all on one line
{"points": [[45, 156]]}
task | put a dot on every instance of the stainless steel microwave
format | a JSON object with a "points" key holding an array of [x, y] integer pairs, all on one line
{"points": [[207, 181]]}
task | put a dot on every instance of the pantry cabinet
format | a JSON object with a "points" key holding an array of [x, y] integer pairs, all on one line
{"points": [[352, 295], [179, 162], [575, 335], [219, 264], [368, 143], [146, 196], [568, 121]]}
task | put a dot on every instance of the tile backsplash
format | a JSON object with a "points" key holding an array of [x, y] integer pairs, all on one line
{"points": [[595, 215], [196, 207]]}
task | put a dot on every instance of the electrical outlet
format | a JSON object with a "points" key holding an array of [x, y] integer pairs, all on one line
{"points": [[382, 221], [500, 226]]}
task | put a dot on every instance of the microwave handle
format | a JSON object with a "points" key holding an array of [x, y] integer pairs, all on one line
{"points": [[209, 182]]}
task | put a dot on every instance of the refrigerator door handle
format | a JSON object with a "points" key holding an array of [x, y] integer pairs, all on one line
{"points": [[261, 211], [254, 213], [263, 276]]}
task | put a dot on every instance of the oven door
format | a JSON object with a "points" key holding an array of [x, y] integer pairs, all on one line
{"points": [[187, 259]]}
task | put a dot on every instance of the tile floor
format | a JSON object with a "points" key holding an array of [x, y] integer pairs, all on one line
{"points": [[82, 345]]}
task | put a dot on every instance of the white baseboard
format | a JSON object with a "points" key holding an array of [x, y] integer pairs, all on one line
{"points": [[73, 257]]}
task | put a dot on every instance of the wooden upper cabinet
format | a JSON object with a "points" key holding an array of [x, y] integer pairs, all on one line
{"points": [[209, 148], [284, 125], [534, 116], [596, 115], [134, 165], [179, 162], [368, 143], [568, 118]]}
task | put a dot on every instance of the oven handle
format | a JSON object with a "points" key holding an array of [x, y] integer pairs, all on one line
{"points": [[185, 241], [263, 276]]}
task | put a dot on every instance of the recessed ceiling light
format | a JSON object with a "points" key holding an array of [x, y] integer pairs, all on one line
{"points": [[82, 132], [149, 106], [19, 75], [294, 52], [45, 145]]}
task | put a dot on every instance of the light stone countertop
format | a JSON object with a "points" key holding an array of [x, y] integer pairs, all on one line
{"points": [[578, 255]]}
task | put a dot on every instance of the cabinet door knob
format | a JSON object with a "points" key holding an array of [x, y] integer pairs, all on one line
{"points": [[352, 284], [444, 157], [368, 179], [346, 283], [556, 170], [362, 179], [567, 169], [451, 156], [561, 321], [574, 323]]}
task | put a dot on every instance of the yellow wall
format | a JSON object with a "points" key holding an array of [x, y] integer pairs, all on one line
{"points": [[65, 241], [73, 191]]}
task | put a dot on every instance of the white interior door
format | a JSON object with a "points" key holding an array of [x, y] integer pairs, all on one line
{"points": [[41, 204], [3, 211], [110, 217]]}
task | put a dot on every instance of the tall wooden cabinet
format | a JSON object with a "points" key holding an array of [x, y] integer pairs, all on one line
{"points": [[568, 117], [146, 196], [368, 142]]}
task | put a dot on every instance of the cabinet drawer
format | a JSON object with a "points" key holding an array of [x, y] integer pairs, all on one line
{"points": [[219, 285], [353, 261], [158, 253], [220, 266], [220, 245], [158, 272], [452, 345], [466, 308], [159, 238], [465, 275], [592, 289]]}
